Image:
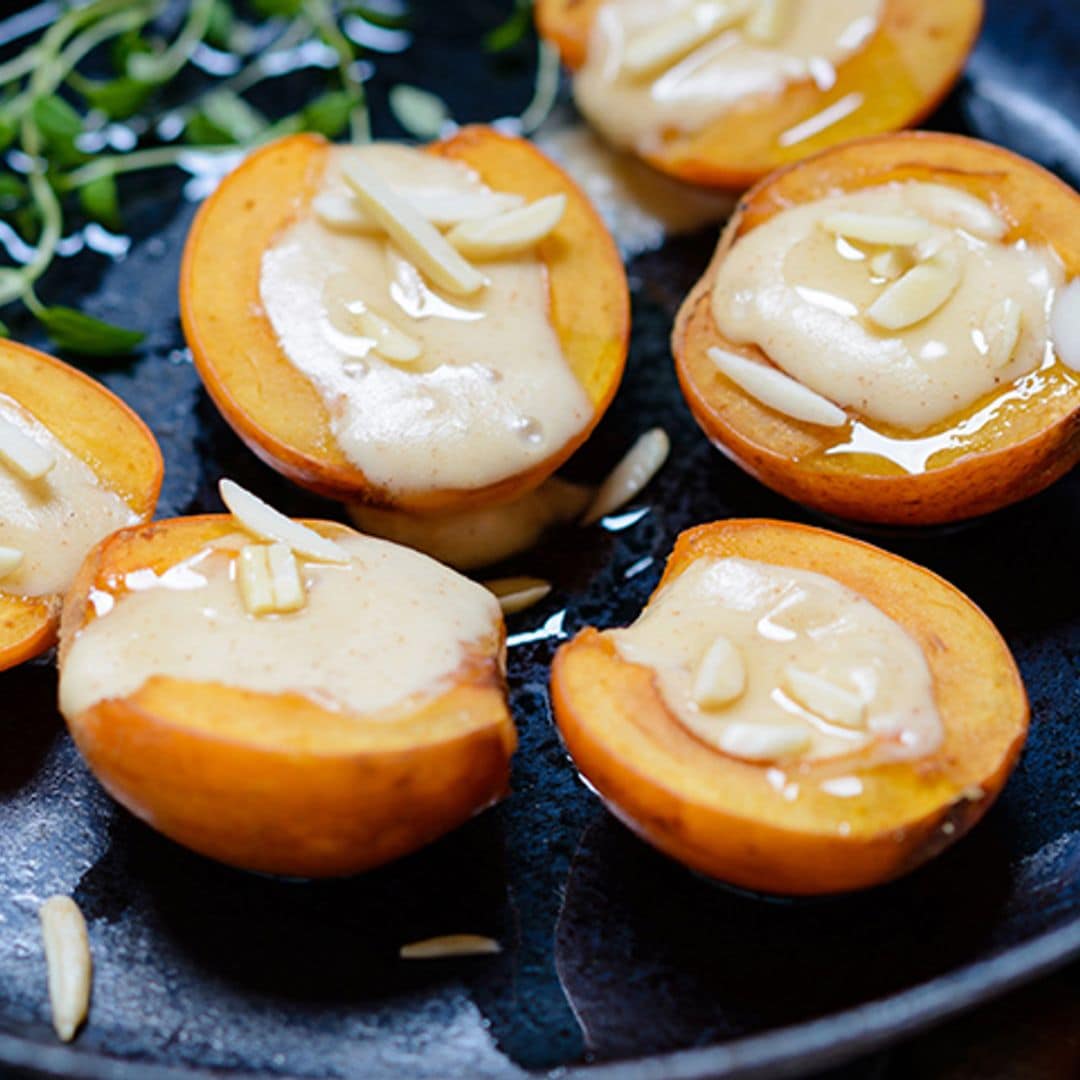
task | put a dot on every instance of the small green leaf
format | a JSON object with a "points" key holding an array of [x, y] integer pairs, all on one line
{"points": [[101, 201], [8, 130], [12, 284], [4, 331], [270, 8], [118, 98], [419, 112], [220, 29], [79, 333], [511, 32], [12, 192], [125, 47], [229, 113], [329, 113], [201, 132], [393, 17], [56, 118]]}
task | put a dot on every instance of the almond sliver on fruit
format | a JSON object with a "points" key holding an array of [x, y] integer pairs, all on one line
{"points": [[1002, 330], [777, 390], [418, 239], [917, 295], [1065, 325], [253, 579], [285, 578], [518, 593], [662, 44], [21, 454], [895, 230], [509, 233], [959, 209], [769, 21], [263, 521], [721, 675], [824, 698], [763, 742], [390, 342]]}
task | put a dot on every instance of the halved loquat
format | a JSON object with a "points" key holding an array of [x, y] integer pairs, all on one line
{"points": [[1009, 444], [100, 468], [800, 826], [288, 780], [277, 410]]}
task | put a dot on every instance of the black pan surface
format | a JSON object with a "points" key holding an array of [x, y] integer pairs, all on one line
{"points": [[617, 962]]}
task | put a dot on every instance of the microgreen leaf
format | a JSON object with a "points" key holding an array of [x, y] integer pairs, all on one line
{"points": [[125, 47], [101, 201], [59, 125], [329, 113], [421, 113], [387, 18], [231, 114], [12, 192], [80, 333], [118, 98], [8, 130], [288, 8], [220, 28], [511, 32]]}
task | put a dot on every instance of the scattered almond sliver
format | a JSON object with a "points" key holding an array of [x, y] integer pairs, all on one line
{"points": [[418, 239], [437, 948], [769, 21], [900, 230], [266, 523], [1065, 325], [763, 742], [720, 677], [824, 698], [518, 593], [890, 264], [630, 477], [10, 560], [509, 233], [21, 454], [269, 579], [918, 294], [777, 390], [667, 41], [390, 342], [342, 214], [70, 968], [960, 210], [1002, 329]]}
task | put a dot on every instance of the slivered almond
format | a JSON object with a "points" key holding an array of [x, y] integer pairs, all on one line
{"points": [[721, 675], [263, 521], [763, 742], [769, 21], [22, 454], [1002, 329], [777, 390], [1065, 325], [642, 462], [918, 294], [518, 593], [437, 948], [341, 213], [390, 342], [958, 209], [254, 580], [890, 264], [10, 560], [70, 967], [662, 44], [824, 698], [417, 238], [285, 578], [509, 233], [900, 230]]}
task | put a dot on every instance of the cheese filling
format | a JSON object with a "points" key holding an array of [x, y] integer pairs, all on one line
{"points": [[54, 520], [425, 390], [372, 633], [901, 301], [769, 663], [657, 67]]}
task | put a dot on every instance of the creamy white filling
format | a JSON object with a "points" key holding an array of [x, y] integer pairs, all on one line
{"points": [[489, 393], [724, 70], [805, 296], [791, 630], [55, 520], [372, 633]]}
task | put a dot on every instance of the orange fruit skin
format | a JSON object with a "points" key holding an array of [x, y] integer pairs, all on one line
{"points": [[274, 782], [95, 425], [723, 817], [1037, 445], [277, 411]]}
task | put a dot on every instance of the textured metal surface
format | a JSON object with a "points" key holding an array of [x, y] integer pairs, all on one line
{"points": [[613, 954]]}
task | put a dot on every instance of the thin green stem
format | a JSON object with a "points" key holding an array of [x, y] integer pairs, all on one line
{"points": [[160, 157], [163, 66], [47, 204], [547, 89], [322, 15]]}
